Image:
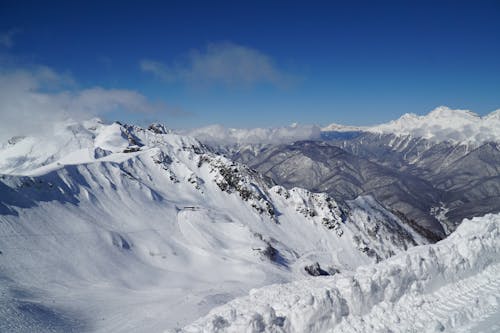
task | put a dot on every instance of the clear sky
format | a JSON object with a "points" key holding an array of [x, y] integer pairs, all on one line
{"points": [[264, 63]]}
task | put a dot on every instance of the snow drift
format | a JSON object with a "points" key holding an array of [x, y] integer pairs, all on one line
{"points": [[451, 286]]}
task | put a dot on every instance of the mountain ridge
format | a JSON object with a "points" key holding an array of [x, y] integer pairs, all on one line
{"points": [[439, 125], [118, 215]]}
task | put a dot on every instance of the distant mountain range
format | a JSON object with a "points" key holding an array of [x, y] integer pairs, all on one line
{"points": [[433, 171], [441, 124], [445, 124]]}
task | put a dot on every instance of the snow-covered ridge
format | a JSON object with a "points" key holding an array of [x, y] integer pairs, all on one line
{"points": [[186, 160], [449, 286], [122, 215], [445, 124], [441, 124]]}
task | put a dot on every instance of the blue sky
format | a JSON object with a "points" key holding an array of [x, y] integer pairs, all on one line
{"points": [[265, 63]]}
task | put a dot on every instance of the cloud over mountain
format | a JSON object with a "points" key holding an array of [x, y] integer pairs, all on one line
{"points": [[32, 99]]}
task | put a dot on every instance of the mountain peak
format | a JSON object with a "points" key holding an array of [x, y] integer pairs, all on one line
{"points": [[495, 115], [447, 112], [158, 128], [446, 124]]}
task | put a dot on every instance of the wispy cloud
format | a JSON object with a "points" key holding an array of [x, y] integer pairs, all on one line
{"points": [[7, 38], [32, 99], [221, 63]]}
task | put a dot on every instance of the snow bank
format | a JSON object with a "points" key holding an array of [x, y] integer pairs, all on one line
{"points": [[448, 285]]}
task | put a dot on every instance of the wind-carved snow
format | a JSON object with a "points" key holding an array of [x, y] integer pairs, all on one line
{"points": [[120, 228], [451, 286]]}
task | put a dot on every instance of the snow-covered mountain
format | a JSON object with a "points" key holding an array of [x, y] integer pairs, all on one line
{"points": [[433, 170], [441, 124], [120, 228], [445, 124], [451, 286], [433, 185]]}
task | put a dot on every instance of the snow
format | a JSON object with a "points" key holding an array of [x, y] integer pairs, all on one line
{"points": [[446, 124], [111, 138], [112, 228], [29, 153], [451, 286], [441, 124]]}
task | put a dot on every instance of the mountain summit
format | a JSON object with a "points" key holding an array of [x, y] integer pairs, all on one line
{"points": [[445, 124]]}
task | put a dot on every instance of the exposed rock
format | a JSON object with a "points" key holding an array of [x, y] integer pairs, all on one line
{"points": [[315, 270]]}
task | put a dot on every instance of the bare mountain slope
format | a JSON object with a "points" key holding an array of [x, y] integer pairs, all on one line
{"points": [[323, 167]]}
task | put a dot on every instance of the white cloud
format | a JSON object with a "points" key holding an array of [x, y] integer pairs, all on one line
{"points": [[31, 100], [97, 100], [222, 63], [7, 38], [217, 134]]}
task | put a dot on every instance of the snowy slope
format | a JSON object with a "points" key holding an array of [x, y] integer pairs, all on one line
{"points": [[451, 286], [116, 228]]}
